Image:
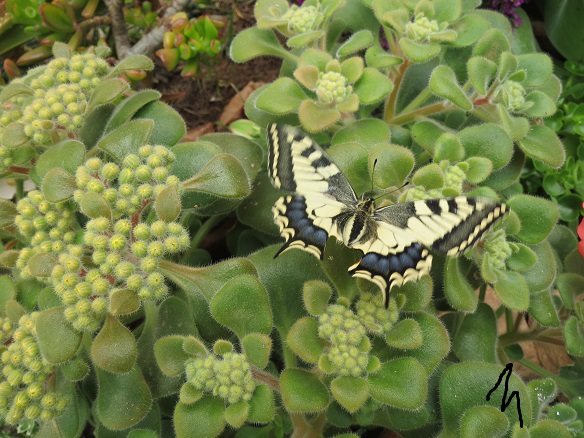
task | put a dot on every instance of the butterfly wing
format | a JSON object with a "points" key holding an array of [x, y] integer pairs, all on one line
{"points": [[398, 252], [298, 164]]}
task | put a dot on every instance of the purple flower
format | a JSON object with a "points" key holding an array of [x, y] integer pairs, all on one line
{"points": [[507, 7]]}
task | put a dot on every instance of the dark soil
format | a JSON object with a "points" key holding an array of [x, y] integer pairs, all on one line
{"points": [[201, 100]]}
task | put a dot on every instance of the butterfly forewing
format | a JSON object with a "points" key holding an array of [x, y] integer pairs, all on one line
{"points": [[298, 164]]}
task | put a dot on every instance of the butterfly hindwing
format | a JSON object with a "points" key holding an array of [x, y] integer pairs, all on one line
{"points": [[306, 223]]}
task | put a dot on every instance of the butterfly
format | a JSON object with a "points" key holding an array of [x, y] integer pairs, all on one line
{"points": [[396, 240]]}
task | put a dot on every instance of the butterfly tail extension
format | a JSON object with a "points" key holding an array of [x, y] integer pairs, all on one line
{"points": [[298, 227], [393, 269]]}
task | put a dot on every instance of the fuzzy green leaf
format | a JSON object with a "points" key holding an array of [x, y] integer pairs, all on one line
{"points": [[67, 155], [93, 205], [443, 83], [58, 341], [523, 258], [487, 140], [405, 335], [429, 176], [271, 100], [419, 52], [512, 291], [402, 383], [303, 391], [315, 118], [476, 338], [114, 348], [542, 308], [394, 164], [170, 355], [167, 204], [464, 386], [169, 127], [236, 414], [253, 42], [537, 216], [107, 91], [574, 336], [316, 295], [491, 45], [303, 340], [483, 421], [479, 169], [360, 40], [262, 405], [257, 348], [123, 302], [126, 139], [223, 177], [481, 71], [350, 392], [242, 304], [372, 86], [569, 285], [58, 185], [541, 143], [459, 292], [538, 67], [203, 419]]}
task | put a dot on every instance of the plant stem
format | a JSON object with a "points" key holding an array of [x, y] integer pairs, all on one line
{"points": [[391, 100], [19, 188], [424, 111], [565, 385], [417, 101], [207, 226]]}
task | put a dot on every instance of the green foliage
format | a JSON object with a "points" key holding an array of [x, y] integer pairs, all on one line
{"points": [[194, 41], [113, 315]]}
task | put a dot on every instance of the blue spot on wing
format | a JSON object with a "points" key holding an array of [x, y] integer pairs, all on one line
{"points": [[385, 265], [302, 225]]}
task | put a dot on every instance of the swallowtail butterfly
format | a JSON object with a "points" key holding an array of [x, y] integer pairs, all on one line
{"points": [[395, 240]]}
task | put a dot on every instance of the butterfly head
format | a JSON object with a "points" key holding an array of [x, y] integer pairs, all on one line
{"points": [[367, 205]]}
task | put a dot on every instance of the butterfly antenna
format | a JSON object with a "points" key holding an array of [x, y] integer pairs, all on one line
{"points": [[372, 173], [391, 191]]}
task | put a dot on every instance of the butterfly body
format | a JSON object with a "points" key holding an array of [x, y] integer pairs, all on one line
{"points": [[395, 240]]}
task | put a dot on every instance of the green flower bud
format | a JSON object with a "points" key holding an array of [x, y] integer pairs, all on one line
{"points": [[159, 173], [32, 412], [158, 228], [421, 28], [142, 231], [155, 249], [117, 242], [124, 270], [69, 279], [126, 190], [110, 195], [95, 185], [145, 151], [140, 249], [99, 305], [100, 242], [123, 226], [83, 306], [303, 19], [100, 286], [154, 161], [332, 87], [143, 173], [98, 257], [144, 191], [132, 161], [512, 95], [149, 264], [110, 171], [69, 297], [93, 164]]}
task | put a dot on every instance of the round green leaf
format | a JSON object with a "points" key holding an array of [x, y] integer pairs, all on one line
{"points": [[271, 100], [543, 144], [569, 285], [350, 392], [123, 302], [512, 291], [476, 338], [170, 355], [541, 275], [358, 41], [236, 414], [303, 340], [479, 169], [93, 205], [262, 407], [542, 106], [537, 216], [204, 419], [169, 127], [107, 91], [75, 370], [521, 259], [466, 385], [418, 52], [402, 383], [133, 62], [429, 176], [459, 293], [316, 295], [372, 86], [124, 112], [167, 204], [303, 391], [242, 304], [13, 136], [483, 421], [42, 264], [487, 140], [491, 45], [122, 399], [537, 66], [114, 348], [222, 176], [58, 341], [542, 308], [394, 164], [126, 139], [257, 348], [448, 147], [574, 337], [58, 185], [405, 335], [67, 155], [315, 118], [469, 28], [549, 428], [253, 42]]}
